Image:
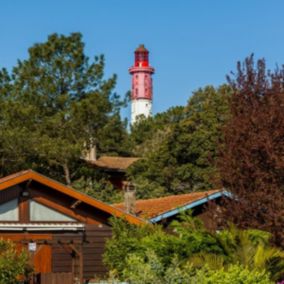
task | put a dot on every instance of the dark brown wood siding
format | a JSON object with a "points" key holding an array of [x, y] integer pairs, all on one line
{"points": [[10, 193], [66, 252], [93, 250], [91, 246]]}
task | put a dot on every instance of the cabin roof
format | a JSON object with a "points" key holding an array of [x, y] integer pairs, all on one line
{"points": [[157, 209], [114, 163], [17, 178]]}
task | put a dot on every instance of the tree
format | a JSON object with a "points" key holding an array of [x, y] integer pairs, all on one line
{"points": [[252, 160], [54, 105], [147, 133], [185, 153]]}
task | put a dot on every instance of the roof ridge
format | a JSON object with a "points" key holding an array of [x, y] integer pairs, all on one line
{"points": [[173, 195]]}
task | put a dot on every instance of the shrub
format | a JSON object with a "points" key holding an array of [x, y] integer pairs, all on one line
{"points": [[188, 244], [13, 262]]}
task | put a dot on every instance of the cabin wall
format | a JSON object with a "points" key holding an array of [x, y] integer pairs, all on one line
{"points": [[57, 249], [93, 250], [80, 253], [91, 247]]}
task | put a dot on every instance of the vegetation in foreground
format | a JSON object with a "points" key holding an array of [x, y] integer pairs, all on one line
{"points": [[191, 254], [14, 264]]}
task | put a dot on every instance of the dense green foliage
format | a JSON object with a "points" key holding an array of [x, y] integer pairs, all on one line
{"points": [[97, 185], [185, 251], [13, 263], [57, 104], [181, 146], [53, 106], [147, 134], [150, 270]]}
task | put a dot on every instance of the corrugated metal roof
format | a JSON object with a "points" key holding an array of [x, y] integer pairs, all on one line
{"points": [[41, 226]]}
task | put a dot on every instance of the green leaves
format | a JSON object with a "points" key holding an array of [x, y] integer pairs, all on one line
{"points": [[54, 103], [188, 253], [13, 263], [180, 146]]}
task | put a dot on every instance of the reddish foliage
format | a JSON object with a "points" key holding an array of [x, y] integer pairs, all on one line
{"points": [[252, 159]]}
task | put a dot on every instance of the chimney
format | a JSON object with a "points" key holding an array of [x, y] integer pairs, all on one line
{"points": [[92, 154], [91, 151], [129, 197]]}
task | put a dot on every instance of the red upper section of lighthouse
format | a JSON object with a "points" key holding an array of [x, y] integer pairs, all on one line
{"points": [[141, 56], [141, 61], [141, 73]]}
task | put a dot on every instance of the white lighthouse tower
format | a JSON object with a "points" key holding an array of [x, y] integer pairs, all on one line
{"points": [[142, 87]]}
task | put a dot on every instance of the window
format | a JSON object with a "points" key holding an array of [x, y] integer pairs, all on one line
{"points": [[9, 211], [40, 212]]}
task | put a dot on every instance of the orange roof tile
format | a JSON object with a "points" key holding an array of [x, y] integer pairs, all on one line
{"points": [[114, 163], [149, 208]]}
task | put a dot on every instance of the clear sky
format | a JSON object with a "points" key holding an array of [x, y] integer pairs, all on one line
{"points": [[192, 43]]}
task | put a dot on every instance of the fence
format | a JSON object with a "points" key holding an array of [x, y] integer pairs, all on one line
{"points": [[56, 278]]}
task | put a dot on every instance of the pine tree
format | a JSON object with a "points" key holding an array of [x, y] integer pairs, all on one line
{"points": [[53, 104]]}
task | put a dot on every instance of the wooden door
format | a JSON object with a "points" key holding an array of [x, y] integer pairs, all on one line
{"points": [[42, 258]]}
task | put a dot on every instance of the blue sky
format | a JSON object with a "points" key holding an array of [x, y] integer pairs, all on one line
{"points": [[191, 43]]}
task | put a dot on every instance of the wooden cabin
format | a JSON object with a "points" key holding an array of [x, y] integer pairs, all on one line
{"points": [[63, 230]]}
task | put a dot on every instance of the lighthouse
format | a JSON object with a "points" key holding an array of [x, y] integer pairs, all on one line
{"points": [[142, 87]]}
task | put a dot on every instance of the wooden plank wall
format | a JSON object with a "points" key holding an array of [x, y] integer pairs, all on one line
{"points": [[63, 259], [9, 194], [93, 249], [56, 278]]}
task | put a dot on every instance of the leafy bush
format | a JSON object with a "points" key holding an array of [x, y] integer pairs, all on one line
{"points": [[236, 274], [150, 270], [13, 262], [152, 255]]}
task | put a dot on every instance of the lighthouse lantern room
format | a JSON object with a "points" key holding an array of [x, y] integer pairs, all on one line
{"points": [[142, 88]]}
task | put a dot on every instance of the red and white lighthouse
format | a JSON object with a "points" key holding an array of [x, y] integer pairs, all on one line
{"points": [[142, 87]]}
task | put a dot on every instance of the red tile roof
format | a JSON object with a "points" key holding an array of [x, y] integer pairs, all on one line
{"points": [[149, 208], [114, 163]]}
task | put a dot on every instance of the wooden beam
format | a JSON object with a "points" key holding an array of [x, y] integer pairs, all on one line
{"points": [[45, 200], [80, 256], [75, 204], [24, 209], [28, 183]]}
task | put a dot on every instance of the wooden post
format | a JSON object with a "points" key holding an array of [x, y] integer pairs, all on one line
{"points": [[79, 253]]}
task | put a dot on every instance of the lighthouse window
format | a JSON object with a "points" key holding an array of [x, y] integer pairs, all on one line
{"points": [[136, 91]]}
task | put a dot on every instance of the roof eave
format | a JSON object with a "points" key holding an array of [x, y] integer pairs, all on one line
{"points": [[191, 205], [30, 174]]}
